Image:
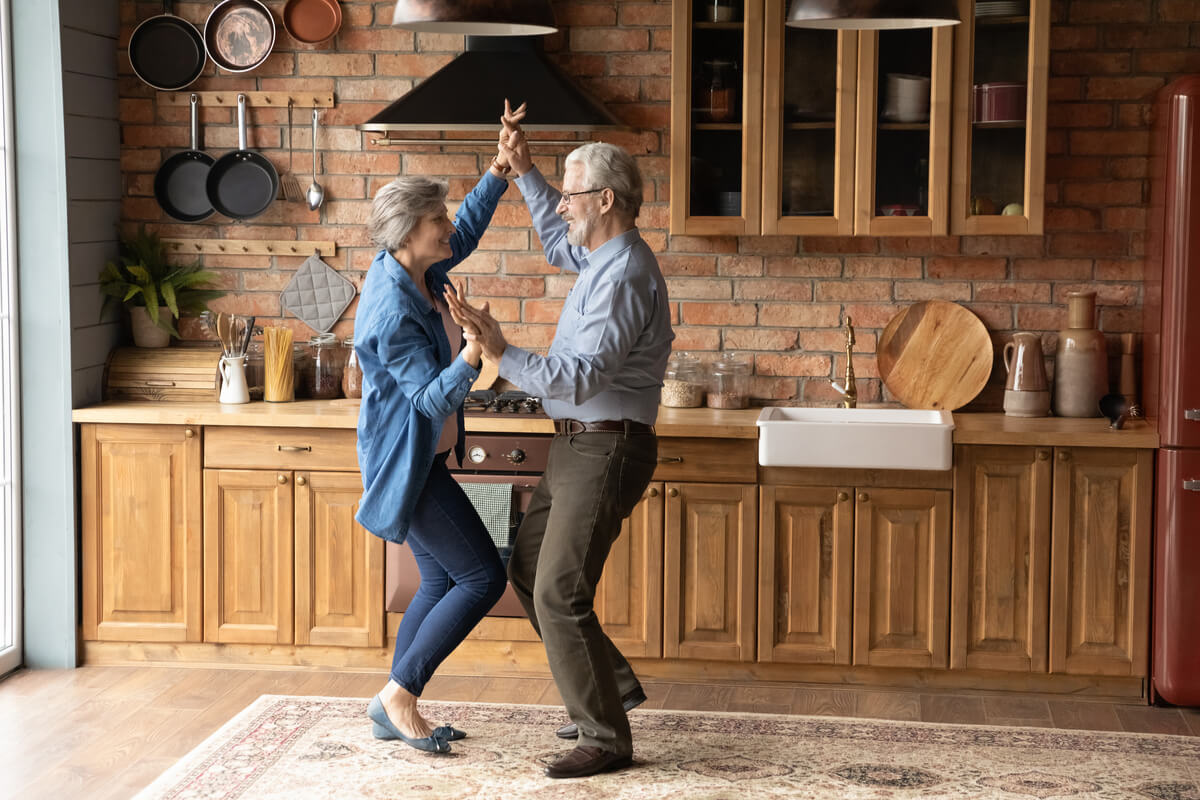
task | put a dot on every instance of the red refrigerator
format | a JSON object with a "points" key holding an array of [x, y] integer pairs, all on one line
{"points": [[1171, 386]]}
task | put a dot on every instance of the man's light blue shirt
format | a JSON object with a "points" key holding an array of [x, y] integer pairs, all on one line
{"points": [[614, 334]]}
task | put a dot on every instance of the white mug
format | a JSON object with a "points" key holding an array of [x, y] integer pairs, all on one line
{"points": [[233, 380]]}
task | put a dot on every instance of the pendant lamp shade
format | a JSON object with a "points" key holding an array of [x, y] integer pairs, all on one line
{"points": [[476, 17], [872, 14]]}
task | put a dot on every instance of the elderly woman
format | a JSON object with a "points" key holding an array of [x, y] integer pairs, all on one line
{"points": [[415, 377]]}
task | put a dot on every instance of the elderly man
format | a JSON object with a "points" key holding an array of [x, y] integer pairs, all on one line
{"points": [[600, 383]]}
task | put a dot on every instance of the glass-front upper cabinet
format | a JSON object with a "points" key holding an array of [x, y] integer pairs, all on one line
{"points": [[716, 116], [903, 149], [808, 126], [1001, 55]]}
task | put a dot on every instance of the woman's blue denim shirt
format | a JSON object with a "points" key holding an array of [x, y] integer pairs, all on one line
{"points": [[410, 385]]}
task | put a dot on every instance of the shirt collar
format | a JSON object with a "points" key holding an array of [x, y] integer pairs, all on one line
{"points": [[614, 245], [401, 278]]}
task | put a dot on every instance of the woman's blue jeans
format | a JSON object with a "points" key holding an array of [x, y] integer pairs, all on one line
{"points": [[462, 577]]}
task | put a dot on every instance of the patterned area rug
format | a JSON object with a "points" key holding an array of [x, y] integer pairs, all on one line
{"points": [[314, 747]]}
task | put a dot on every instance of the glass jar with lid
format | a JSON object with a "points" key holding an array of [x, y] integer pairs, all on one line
{"points": [[255, 370], [729, 382], [352, 375], [324, 377], [683, 383], [301, 370]]}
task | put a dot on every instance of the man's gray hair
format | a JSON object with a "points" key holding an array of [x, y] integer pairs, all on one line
{"points": [[606, 164], [399, 206]]}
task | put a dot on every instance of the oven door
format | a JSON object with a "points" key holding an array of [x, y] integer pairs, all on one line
{"points": [[403, 578]]}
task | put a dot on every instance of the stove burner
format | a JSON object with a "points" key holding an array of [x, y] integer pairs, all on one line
{"points": [[511, 402]]}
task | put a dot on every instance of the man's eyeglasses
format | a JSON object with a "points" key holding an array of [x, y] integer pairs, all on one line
{"points": [[566, 196]]}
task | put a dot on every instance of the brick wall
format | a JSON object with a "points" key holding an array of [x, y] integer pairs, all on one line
{"points": [[782, 297]]}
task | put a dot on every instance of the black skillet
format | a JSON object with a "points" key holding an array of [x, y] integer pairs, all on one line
{"points": [[243, 183], [166, 51], [180, 184]]}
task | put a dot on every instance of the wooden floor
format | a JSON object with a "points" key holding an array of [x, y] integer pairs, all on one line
{"points": [[106, 732]]}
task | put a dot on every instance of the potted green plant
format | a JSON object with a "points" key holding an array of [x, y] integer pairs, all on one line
{"points": [[155, 291]]}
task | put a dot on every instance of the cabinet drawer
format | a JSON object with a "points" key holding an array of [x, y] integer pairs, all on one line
{"points": [[707, 460], [280, 448]]}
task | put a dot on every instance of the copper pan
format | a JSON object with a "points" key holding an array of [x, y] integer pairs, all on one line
{"points": [[312, 21], [239, 34]]}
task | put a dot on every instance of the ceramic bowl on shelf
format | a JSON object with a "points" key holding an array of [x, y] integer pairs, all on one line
{"points": [[898, 210], [999, 101]]}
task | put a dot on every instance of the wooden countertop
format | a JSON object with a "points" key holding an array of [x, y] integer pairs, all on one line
{"points": [[691, 422]]}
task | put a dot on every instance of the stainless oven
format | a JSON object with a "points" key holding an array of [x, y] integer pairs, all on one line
{"points": [[515, 460]]}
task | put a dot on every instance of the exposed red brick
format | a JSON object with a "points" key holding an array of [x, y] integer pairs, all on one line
{"points": [[919, 245], [648, 14], [772, 388], [838, 244], [1074, 37], [1079, 115], [1133, 88], [1124, 269], [1077, 63], [967, 268], [833, 340], [718, 313], [528, 264], [772, 364], [1041, 318], [1086, 244], [1171, 62], [804, 267], [693, 338], [645, 64], [1137, 37], [703, 244], [1121, 320], [609, 40], [767, 245], [505, 287], [774, 340], [1003, 245], [544, 311], [671, 264], [853, 290], [749, 289], [799, 315], [870, 315], [1125, 219], [571, 15], [1054, 269], [1107, 294], [927, 290], [1072, 219], [409, 65], [863, 367], [698, 289], [1083, 11], [882, 268], [740, 266], [1012, 292], [996, 316], [1061, 90], [1177, 11]]}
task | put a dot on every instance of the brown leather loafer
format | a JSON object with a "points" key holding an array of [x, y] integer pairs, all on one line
{"points": [[586, 760], [629, 702]]}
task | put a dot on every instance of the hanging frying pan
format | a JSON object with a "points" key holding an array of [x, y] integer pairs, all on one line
{"points": [[239, 34], [166, 51], [312, 21], [242, 183], [180, 184]]}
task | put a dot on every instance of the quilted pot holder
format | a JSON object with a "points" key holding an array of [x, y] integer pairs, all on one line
{"points": [[317, 294]]}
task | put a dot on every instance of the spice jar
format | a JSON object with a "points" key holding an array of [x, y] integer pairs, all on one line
{"points": [[324, 377], [721, 97], [729, 382], [683, 383], [352, 375], [255, 370], [301, 369]]}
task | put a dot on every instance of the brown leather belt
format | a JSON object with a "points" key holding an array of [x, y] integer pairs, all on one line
{"points": [[569, 427]]}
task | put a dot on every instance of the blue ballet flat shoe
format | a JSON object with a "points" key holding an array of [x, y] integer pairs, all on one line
{"points": [[448, 733], [383, 728]]}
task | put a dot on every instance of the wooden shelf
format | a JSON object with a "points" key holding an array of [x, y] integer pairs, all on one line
{"points": [[904, 126], [809, 126], [983, 22], [1008, 123], [251, 247], [718, 26], [718, 126], [253, 99]]}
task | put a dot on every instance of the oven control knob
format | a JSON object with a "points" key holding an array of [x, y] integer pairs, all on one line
{"points": [[477, 455], [516, 456]]}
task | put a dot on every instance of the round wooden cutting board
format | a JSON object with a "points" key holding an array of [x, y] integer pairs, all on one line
{"points": [[935, 354]]}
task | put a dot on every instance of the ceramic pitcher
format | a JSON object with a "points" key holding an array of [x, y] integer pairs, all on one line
{"points": [[233, 380], [1024, 363]]}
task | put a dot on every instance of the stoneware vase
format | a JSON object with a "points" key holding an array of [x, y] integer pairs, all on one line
{"points": [[1081, 361], [1026, 392], [145, 332]]}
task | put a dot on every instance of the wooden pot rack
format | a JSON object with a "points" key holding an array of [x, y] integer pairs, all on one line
{"points": [[251, 247], [253, 99]]}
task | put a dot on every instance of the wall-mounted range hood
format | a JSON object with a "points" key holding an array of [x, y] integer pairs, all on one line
{"points": [[469, 93]]}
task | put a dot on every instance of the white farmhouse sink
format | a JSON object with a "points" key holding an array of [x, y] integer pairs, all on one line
{"points": [[871, 438]]}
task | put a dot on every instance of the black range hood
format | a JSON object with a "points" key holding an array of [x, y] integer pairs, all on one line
{"points": [[469, 92]]}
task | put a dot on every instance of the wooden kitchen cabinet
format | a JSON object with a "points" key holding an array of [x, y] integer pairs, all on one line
{"points": [[248, 563], [805, 562], [1000, 587], [140, 515], [901, 577], [285, 562], [1100, 561], [999, 152], [709, 577], [629, 598]]}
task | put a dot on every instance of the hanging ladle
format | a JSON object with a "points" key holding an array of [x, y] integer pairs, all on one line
{"points": [[315, 194]]}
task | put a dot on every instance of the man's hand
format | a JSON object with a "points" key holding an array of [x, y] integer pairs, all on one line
{"points": [[512, 144], [477, 323]]}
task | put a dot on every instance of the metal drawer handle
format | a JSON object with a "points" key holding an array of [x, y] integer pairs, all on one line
{"points": [[159, 383], [670, 459], [294, 448], [1192, 486], [1192, 413]]}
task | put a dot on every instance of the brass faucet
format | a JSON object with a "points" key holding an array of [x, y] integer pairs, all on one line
{"points": [[849, 392]]}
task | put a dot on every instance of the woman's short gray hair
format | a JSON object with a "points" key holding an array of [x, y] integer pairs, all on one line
{"points": [[606, 164], [399, 206]]}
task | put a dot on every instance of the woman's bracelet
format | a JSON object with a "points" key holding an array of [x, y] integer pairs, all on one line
{"points": [[502, 169]]}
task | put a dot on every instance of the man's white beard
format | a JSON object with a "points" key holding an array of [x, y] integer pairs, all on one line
{"points": [[581, 231]]}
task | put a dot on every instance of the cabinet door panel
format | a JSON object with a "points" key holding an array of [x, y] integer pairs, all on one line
{"points": [[805, 550], [339, 565], [709, 588], [1001, 558], [901, 577], [1100, 569], [248, 556], [629, 596], [141, 533]]}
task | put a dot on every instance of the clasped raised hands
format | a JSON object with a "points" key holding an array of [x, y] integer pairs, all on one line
{"points": [[512, 146]]}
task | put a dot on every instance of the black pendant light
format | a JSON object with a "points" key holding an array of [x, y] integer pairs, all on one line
{"points": [[476, 17], [872, 14]]}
